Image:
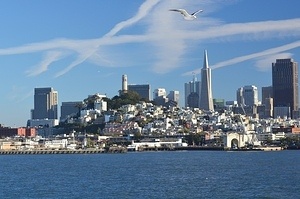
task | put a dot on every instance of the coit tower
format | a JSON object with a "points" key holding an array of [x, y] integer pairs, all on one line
{"points": [[124, 84]]}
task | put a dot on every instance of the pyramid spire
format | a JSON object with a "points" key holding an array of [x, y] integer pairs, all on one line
{"points": [[205, 62], [206, 100]]}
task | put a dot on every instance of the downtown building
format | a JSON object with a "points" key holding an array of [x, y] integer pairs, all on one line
{"points": [[192, 93], [173, 98], [267, 102], [142, 89], [247, 99], [69, 109], [160, 96], [247, 96], [45, 111], [206, 99], [285, 88]]}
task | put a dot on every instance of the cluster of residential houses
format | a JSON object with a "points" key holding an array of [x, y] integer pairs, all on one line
{"points": [[145, 120]]}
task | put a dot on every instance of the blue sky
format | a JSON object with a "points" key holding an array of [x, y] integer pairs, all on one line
{"points": [[84, 47]]}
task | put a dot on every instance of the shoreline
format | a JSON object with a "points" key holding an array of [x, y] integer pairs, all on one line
{"points": [[125, 150]]}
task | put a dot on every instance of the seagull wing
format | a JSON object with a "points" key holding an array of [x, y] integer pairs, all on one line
{"points": [[182, 11], [194, 13]]}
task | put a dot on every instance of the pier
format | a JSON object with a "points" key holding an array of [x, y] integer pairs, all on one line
{"points": [[64, 151]]}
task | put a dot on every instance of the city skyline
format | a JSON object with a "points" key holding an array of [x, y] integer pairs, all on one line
{"points": [[78, 50]]}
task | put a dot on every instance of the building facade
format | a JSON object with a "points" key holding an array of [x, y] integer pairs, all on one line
{"points": [[45, 103], [22, 131], [239, 97], [69, 109], [206, 99], [266, 92], [142, 89], [192, 93], [247, 96], [250, 95], [174, 96], [285, 88]]}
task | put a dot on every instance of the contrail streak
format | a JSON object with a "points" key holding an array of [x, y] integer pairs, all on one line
{"points": [[142, 12], [256, 55]]}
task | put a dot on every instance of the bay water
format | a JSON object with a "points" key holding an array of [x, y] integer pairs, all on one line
{"points": [[164, 174]]}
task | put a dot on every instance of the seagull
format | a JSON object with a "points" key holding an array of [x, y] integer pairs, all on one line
{"points": [[186, 15]]}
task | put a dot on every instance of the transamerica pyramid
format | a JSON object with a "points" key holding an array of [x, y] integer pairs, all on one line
{"points": [[206, 99]]}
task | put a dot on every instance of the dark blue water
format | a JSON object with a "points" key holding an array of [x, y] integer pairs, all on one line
{"points": [[186, 174]]}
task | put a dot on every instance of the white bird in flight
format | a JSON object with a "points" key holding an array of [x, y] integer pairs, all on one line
{"points": [[186, 15]]}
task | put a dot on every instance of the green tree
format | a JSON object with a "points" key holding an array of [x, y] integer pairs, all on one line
{"points": [[131, 97]]}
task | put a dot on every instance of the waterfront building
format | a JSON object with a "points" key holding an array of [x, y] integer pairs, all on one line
{"points": [[285, 88], [40, 123], [192, 93], [142, 89], [22, 131], [45, 103], [206, 99]]}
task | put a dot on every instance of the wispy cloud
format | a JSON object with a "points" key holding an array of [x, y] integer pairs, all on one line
{"points": [[49, 58], [142, 12], [84, 48], [271, 51], [18, 95], [263, 59], [264, 63], [169, 39]]}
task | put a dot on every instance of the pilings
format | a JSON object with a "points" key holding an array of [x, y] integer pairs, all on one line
{"points": [[65, 151]]}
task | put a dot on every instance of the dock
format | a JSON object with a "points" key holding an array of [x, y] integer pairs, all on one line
{"points": [[64, 151]]}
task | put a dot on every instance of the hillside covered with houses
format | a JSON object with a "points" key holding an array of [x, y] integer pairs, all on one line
{"points": [[127, 119]]}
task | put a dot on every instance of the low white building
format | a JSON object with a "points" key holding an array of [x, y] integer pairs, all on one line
{"points": [[56, 144], [43, 122], [156, 143]]}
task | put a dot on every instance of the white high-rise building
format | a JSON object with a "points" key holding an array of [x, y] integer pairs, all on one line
{"points": [[250, 95], [247, 96], [206, 99]]}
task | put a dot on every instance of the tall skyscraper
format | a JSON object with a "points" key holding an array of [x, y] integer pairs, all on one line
{"points": [[192, 93], [206, 99], [45, 103], [285, 88]]}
